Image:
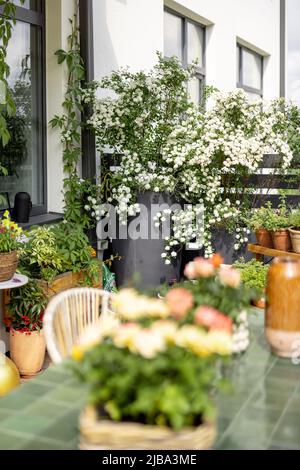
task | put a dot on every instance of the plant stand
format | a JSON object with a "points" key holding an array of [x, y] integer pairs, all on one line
{"points": [[17, 281], [260, 252]]}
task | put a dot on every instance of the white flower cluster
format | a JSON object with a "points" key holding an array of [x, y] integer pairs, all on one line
{"points": [[201, 156]]}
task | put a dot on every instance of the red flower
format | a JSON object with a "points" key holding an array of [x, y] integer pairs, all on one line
{"points": [[26, 320], [213, 319]]}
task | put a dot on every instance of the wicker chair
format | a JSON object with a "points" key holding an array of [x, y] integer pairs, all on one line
{"points": [[69, 314]]}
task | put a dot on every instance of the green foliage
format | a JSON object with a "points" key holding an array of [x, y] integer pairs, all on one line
{"points": [[294, 219], [254, 274], [7, 105], [173, 389], [259, 219], [70, 125], [58, 249], [26, 308], [15, 152]]}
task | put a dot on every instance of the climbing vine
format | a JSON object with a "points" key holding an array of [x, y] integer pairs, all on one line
{"points": [[77, 192], [7, 104]]}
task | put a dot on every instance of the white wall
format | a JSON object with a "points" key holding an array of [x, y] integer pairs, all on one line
{"points": [[58, 13], [129, 32]]}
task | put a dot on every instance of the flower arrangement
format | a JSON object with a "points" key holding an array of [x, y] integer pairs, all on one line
{"points": [[10, 234], [170, 145], [149, 368], [26, 309]]}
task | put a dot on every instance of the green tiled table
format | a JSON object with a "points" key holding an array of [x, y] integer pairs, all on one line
{"points": [[263, 412]]}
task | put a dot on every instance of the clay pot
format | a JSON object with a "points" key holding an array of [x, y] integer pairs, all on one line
{"points": [[264, 238], [295, 238], [282, 322], [28, 351], [282, 240]]}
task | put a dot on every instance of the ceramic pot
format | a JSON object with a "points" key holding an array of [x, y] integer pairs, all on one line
{"points": [[282, 240], [282, 321], [142, 256], [28, 351], [264, 238], [295, 238]]}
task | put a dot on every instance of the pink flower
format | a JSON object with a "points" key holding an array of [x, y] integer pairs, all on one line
{"points": [[213, 319], [230, 277], [180, 301], [203, 268]]}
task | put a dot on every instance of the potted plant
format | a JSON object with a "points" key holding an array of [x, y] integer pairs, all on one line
{"points": [[294, 222], [254, 275], [220, 299], [151, 377], [25, 321], [278, 224], [10, 234], [257, 221]]}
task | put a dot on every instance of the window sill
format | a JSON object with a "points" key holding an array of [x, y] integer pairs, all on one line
{"points": [[43, 219]]}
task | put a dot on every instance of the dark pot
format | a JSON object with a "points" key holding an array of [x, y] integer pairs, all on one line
{"points": [[142, 257]]}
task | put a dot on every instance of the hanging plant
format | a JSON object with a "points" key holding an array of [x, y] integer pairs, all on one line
{"points": [[78, 193], [7, 104]]}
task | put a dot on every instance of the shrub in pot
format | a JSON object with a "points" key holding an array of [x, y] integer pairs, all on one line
{"points": [[27, 343], [258, 221], [278, 224], [294, 222], [151, 376], [254, 275], [10, 234]]}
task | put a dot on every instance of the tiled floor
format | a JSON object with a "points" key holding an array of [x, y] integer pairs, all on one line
{"points": [[263, 411]]}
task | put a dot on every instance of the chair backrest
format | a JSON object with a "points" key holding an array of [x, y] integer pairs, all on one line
{"points": [[68, 315]]}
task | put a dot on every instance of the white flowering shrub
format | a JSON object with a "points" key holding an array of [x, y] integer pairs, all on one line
{"points": [[168, 144]]}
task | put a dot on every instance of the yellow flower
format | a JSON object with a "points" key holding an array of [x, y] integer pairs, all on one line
{"points": [[220, 342], [92, 336], [6, 214]]}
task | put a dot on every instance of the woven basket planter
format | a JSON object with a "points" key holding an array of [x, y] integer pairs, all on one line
{"points": [[8, 265], [109, 435]]}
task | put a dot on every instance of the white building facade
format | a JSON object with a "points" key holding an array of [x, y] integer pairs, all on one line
{"points": [[237, 42]]}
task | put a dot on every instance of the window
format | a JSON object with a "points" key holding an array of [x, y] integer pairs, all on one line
{"points": [[250, 72], [24, 156], [186, 39]]}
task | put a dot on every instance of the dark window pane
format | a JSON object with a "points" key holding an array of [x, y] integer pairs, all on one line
{"points": [[23, 156]]}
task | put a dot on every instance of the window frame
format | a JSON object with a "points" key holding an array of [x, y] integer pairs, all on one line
{"points": [[240, 84], [200, 72], [37, 18]]}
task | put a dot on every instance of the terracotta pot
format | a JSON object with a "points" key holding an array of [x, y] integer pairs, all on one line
{"points": [[264, 238], [295, 238], [28, 351], [282, 240], [282, 322], [8, 265]]}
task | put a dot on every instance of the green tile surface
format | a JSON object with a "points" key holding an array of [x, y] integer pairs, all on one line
{"points": [[261, 412]]}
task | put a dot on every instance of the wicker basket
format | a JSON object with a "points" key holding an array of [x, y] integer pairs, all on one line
{"points": [[109, 435], [8, 265]]}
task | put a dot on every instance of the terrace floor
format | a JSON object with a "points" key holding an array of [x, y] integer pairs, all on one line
{"points": [[263, 412]]}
